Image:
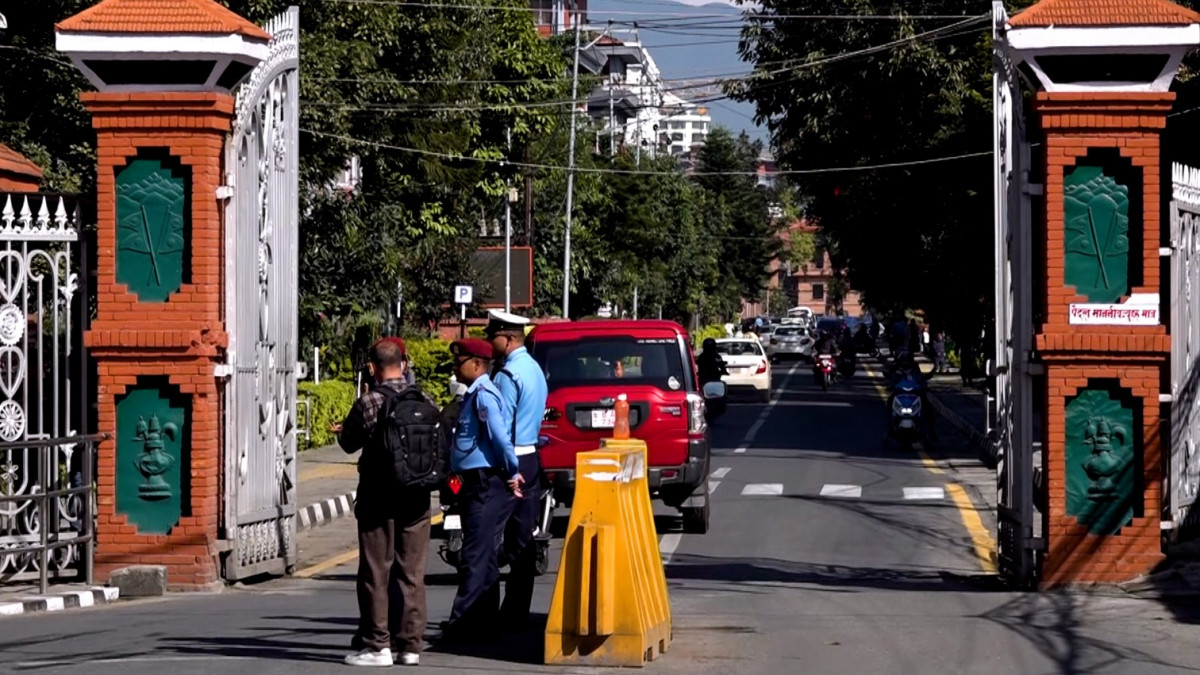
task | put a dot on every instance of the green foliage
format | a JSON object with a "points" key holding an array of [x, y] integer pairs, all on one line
{"points": [[329, 403], [428, 358], [714, 332]]}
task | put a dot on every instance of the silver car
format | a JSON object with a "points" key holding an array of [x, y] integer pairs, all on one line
{"points": [[790, 342]]}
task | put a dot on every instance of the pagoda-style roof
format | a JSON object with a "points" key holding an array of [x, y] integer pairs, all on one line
{"points": [[192, 17], [1104, 14]]}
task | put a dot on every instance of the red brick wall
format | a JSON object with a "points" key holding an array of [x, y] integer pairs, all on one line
{"points": [[11, 182], [1136, 355], [183, 338]]}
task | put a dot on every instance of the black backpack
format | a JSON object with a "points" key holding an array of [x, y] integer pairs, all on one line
{"points": [[408, 441]]}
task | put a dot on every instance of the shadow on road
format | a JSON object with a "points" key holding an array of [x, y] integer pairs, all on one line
{"points": [[685, 567]]}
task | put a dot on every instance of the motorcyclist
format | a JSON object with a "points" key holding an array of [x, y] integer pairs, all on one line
{"points": [[905, 367], [826, 344], [863, 342], [709, 363]]}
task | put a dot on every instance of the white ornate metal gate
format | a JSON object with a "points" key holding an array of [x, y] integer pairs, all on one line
{"points": [[1184, 476], [1013, 423], [260, 313]]}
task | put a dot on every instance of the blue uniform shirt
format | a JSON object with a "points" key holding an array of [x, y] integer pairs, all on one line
{"points": [[530, 405], [484, 436]]}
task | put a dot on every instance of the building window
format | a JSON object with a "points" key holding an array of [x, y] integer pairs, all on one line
{"points": [[677, 137], [819, 259], [543, 12], [818, 291], [697, 138]]}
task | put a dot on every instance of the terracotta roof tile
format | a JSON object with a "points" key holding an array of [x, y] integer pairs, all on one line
{"points": [[161, 16], [1100, 13], [12, 161]]}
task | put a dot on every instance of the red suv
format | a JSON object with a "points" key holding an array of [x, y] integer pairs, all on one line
{"points": [[588, 364]]}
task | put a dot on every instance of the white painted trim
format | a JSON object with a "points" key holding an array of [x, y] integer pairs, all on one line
{"points": [[1102, 39], [108, 45], [1160, 83]]}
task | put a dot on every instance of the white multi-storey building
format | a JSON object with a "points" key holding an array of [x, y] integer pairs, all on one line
{"points": [[630, 96], [686, 124]]}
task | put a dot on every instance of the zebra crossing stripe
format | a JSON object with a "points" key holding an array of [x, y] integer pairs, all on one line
{"points": [[327, 511]]}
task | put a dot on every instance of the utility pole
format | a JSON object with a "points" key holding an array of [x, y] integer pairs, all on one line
{"points": [[508, 200], [566, 299], [635, 302]]}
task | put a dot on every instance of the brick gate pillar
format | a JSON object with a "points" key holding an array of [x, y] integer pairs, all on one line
{"points": [[1105, 71], [161, 113]]}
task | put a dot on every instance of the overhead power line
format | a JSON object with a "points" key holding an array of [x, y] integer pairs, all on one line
{"points": [[641, 172], [652, 15]]}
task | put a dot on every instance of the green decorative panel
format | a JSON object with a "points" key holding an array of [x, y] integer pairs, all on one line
{"points": [[150, 466], [151, 233], [1096, 208], [1102, 480]]}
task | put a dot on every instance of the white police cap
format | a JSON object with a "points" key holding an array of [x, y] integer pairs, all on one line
{"points": [[500, 321]]}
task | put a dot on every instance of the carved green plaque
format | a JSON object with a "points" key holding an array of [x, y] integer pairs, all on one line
{"points": [[150, 229], [150, 462], [1101, 472], [1096, 208]]}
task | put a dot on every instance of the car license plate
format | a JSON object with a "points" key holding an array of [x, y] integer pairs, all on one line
{"points": [[604, 419], [452, 523]]}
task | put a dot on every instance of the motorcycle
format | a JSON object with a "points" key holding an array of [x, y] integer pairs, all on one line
{"points": [[450, 550], [907, 425], [847, 363], [825, 371]]}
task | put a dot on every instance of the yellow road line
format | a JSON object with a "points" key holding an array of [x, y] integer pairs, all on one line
{"points": [[328, 564], [981, 539]]}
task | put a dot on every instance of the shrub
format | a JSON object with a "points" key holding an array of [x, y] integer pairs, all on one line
{"points": [[698, 338], [328, 403], [427, 357]]}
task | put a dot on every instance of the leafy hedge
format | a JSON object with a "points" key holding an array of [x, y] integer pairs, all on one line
{"points": [[714, 332], [428, 358], [328, 403]]}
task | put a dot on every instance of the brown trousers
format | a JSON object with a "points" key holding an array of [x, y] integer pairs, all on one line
{"points": [[393, 544]]}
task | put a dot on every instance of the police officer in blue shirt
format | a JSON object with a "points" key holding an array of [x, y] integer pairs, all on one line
{"points": [[483, 457], [523, 386]]}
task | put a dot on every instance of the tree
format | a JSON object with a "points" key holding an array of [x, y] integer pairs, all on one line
{"points": [[920, 99]]}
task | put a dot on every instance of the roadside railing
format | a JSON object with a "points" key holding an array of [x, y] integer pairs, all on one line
{"points": [[47, 509]]}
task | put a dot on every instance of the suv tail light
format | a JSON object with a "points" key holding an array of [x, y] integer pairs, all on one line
{"points": [[762, 368], [696, 422], [551, 415]]}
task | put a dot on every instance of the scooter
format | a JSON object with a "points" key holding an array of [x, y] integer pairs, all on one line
{"points": [[450, 550], [825, 371], [907, 424], [847, 363]]}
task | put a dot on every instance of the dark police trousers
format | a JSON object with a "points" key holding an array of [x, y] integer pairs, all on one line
{"points": [[520, 550], [485, 502], [393, 542]]}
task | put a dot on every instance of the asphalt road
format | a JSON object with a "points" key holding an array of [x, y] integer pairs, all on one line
{"points": [[828, 554]]}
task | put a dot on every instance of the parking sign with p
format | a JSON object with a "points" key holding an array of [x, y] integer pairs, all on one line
{"points": [[463, 295]]}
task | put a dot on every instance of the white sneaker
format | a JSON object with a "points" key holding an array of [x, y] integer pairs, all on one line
{"points": [[370, 657], [409, 659]]}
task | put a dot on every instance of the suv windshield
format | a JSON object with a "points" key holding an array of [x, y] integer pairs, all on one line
{"points": [[738, 348], [609, 360]]}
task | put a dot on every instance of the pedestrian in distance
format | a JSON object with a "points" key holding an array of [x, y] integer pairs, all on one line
{"points": [[939, 352], [485, 461], [396, 428], [523, 385]]}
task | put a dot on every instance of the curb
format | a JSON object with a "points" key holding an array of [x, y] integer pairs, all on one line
{"points": [[324, 512], [56, 602], [975, 438]]}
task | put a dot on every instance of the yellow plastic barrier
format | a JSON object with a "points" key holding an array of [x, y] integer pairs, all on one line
{"points": [[610, 605]]}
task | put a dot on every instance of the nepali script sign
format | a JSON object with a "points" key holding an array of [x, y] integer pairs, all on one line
{"points": [[1114, 315]]}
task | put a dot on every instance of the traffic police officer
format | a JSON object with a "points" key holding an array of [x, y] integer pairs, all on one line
{"points": [[523, 386], [484, 459]]}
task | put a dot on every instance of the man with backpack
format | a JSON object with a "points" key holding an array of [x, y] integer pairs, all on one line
{"points": [[523, 385], [396, 427]]}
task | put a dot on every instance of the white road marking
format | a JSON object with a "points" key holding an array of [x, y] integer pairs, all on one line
{"points": [[925, 493], [712, 486], [721, 472], [832, 490], [667, 546], [132, 659], [752, 432], [763, 490]]}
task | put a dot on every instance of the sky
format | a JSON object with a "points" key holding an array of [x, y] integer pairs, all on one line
{"points": [[683, 51]]}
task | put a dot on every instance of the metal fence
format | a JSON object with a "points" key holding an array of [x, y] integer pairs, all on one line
{"points": [[48, 532]]}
